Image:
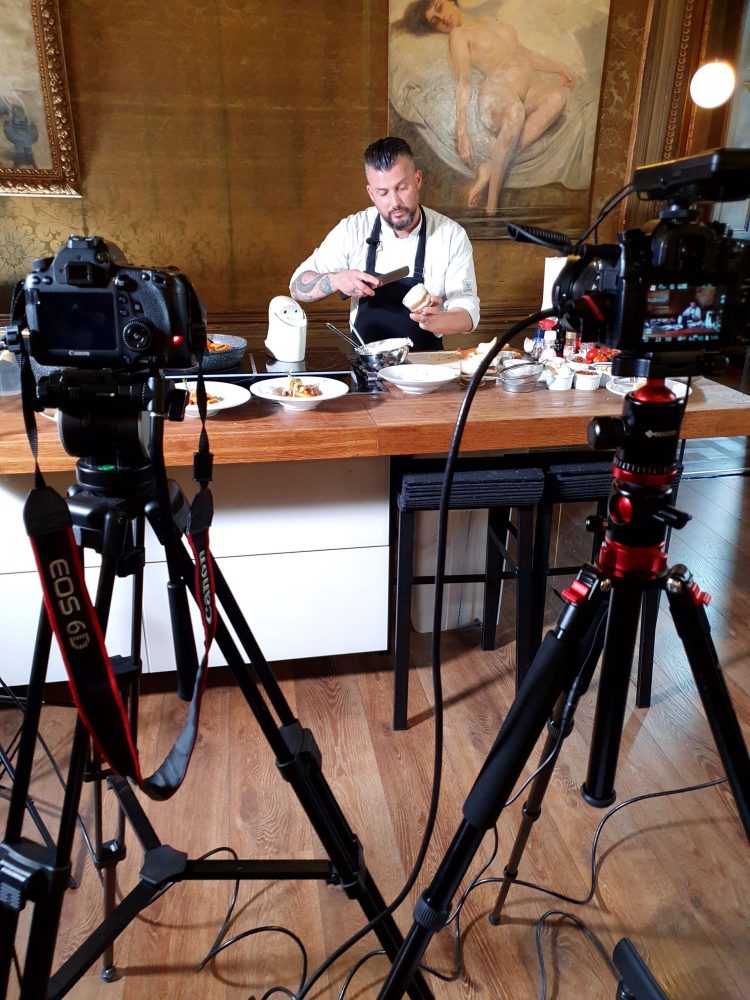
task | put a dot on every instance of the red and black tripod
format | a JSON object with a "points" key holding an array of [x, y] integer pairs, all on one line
{"points": [[605, 597]]}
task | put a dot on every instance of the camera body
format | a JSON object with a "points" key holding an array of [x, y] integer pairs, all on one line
{"points": [[87, 307], [679, 284], [682, 285]]}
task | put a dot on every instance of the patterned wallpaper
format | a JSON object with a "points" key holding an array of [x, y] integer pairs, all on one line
{"points": [[225, 137]]}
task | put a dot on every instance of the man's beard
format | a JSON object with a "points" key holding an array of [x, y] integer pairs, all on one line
{"points": [[399, 224]]}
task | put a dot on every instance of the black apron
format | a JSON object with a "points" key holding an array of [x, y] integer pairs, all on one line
{"points": [[384, 315]]}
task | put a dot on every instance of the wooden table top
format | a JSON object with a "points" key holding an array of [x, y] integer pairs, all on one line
{"points": [[388, 424]]}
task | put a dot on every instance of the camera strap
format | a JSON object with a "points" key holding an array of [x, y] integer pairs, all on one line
{"points": [[74, 620]]}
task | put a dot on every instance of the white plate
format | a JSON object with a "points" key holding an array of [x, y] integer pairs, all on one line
{"points": [[227, 395], [418, 379], [330, 388], [622, 386]]}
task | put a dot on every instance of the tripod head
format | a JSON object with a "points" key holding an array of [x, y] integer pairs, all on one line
{"points": [[645, 474], [105, 418]]}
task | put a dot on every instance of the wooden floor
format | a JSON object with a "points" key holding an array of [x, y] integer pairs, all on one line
{"points": [[672, 872]]}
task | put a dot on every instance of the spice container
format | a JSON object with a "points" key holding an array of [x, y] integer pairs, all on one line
{"points": [[588, 379], [561, 379]]}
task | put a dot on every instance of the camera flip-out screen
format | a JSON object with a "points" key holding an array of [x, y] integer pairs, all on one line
{"points": [[682, 313], [79, 321]]}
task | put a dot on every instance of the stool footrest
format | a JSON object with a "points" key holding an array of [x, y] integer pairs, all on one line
{"points": [[470, 490]]}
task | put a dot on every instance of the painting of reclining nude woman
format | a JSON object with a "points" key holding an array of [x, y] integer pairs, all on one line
{"points": [[501, 98]]}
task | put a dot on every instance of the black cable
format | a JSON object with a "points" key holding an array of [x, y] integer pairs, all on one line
{"points": [[613, 202], [227, 918], [355, 969], [581, 926], [268, 928], [218, 946], [590, 895], [478, 880], [439, 582]]}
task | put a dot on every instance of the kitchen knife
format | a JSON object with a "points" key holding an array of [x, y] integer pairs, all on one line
{"points": [[386, 279]]}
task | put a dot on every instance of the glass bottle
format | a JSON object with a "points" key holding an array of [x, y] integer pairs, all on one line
{"points": [[571, 344]]}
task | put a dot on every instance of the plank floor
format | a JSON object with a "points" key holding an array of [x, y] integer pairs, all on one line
{"points": [[672, 873]]}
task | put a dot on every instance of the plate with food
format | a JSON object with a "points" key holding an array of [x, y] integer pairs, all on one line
{"points": [[415, 380], [299, 392], [622, 386], [221, 396]]}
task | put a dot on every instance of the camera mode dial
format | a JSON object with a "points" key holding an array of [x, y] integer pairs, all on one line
{"points": [[137, 336]]}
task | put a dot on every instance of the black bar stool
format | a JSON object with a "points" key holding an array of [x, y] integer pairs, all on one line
{"points": [[585, 480], [499, 490]]}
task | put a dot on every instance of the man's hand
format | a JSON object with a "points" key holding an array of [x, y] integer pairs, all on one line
{"points": [[311, 286], [435, 319], [358, 284], [424, 316]]}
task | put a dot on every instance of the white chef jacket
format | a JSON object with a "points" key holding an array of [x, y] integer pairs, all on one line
{"points": [[448, 265]]}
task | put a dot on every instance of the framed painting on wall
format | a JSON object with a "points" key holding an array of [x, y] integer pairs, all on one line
{"points": [[500, 102], [37, 149]]}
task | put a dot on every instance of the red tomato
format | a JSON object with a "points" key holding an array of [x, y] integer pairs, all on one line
{"points": [[591, 354]]}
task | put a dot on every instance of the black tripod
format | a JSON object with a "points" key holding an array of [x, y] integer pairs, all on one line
{"points": [[632, 560], [109, 512]]}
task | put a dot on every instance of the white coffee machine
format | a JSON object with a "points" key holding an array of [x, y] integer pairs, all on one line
{"points": [[287, 329]]}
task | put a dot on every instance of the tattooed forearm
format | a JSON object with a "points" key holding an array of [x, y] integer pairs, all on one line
{"points": [[310, 286]]}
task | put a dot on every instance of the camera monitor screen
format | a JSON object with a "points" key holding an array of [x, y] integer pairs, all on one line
{"points": [[683, 314], [77, 321]]}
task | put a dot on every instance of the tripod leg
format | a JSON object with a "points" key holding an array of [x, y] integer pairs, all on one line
{"points": [[49, 881], [614, 681], [559, 727], [298, 760], [9, 908], [551, 672], [687, 604]]}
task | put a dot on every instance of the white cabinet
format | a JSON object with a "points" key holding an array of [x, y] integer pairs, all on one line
{"points": [[303, 547]]}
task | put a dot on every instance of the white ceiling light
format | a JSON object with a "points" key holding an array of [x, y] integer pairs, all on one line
{"points": [[712, 84]]}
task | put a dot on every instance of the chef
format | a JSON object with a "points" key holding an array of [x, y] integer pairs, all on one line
{"points": [[397, 231]]}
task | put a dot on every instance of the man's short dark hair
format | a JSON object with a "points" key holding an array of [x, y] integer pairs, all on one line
{"points": [[382, 154]]}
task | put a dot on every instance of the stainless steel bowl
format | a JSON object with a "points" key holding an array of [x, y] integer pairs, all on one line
{"points": [[521, 378], [366, 363]]}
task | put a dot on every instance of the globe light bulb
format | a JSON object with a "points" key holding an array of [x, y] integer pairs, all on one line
{"points": [[712, 84]]}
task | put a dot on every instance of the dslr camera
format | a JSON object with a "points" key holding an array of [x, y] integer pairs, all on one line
{"points": [[678, 285], [87, 307]]}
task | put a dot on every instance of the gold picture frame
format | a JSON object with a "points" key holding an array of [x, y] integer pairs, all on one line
{"points": [[37, 146]]}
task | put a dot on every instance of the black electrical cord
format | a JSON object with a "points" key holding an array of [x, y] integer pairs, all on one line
{"points": [[594, 878], [582, 927], [442, 535], [613, 202], [220, 945], [478, 880]]}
